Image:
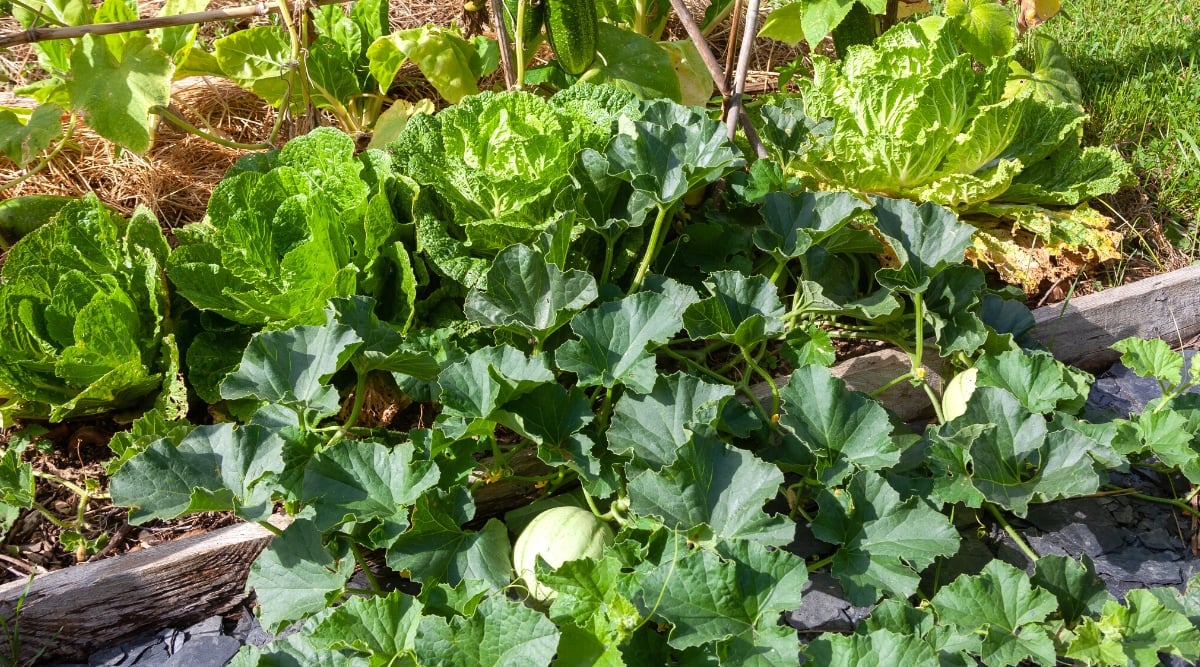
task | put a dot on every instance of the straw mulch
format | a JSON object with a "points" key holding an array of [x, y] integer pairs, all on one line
{"points": [[175, 177]]}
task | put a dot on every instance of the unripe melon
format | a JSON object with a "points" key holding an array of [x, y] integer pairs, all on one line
{"points": [[558, 535]]}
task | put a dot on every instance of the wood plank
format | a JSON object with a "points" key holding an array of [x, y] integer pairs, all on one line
{"points": [[869, 372], [72, 612], [1080, 331]]}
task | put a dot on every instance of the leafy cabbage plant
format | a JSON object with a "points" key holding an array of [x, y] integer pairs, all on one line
{"points": [[288, 231], [941, 110], [495, 165], [83, 306]]}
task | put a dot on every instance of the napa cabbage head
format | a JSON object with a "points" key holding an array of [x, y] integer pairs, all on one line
{"points": [[83, 306], [493, 166], [288, 231], [929, 112]]}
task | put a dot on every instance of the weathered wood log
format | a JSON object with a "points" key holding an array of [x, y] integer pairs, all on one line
{"points": [[69, 613], [1080, 331]]}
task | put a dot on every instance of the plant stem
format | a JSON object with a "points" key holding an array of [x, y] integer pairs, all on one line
{"points": [[42, 163], [1012, 532], [735, 110], [1177, 504], [365, 567], [816, 565], [651, 248], [891, 383], [766, 378], [703, 370], [270, 527], [49, 516]]}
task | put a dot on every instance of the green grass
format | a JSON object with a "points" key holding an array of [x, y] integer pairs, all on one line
{"points": [[1138, 62]]}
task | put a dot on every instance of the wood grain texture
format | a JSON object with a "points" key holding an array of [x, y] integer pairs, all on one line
{"points": [[70, 613], [1080, 331]]}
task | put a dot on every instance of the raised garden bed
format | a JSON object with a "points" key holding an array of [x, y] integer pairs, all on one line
{"points": [[71, 613]]}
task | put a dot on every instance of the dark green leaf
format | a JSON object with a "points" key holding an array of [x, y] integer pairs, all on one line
{"points": [[708, 598], [1001, 603], [925, 238], [885, 542], [500, 632], [1079, 591], [437, 549], [614, 336], [296, 575], [525, 292], [213, 468], [292, 367], [715, 492], [792, 223], [653, 426], [836, 430], [360, 480], [742, 310]]}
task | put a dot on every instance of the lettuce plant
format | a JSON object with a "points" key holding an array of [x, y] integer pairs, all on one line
{"points": [[289, 231], [83, 303], [940, 110], [495, 165]]}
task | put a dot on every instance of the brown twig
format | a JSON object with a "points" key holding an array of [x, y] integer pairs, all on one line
{"points": [[71, 32], [739, 83], [506, 56], [706, 54]]}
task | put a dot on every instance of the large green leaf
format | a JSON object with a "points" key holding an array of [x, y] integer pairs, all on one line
{"points": [[448, 61], [501, 633], [259, 60], [360, 480], [384, 627], [715, 492], [510, 374], [437, 549], [613, 338], [633, 62], [1041, 383], [1079, 591], [654, 426], [881, 647], [292, 367], [670, 151], [117, 94], [22, 142], [926, 239], [709, 598], [297, 575], [523, 291], [792, 223], [1000, 452], [742, 310], [885, 541], [1135, 633], [588, 595], [1001, 603], [220, 467], [835, 431]]}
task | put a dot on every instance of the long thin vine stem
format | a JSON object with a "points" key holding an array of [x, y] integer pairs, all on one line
{"points": [[1012, 532], [1173, 502]]}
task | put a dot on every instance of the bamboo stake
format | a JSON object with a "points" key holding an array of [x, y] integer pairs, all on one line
{"points": [[739, 83], [71, 32]]}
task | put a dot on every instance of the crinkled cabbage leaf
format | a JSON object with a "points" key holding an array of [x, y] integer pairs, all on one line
{"points": [[82, 307]]}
